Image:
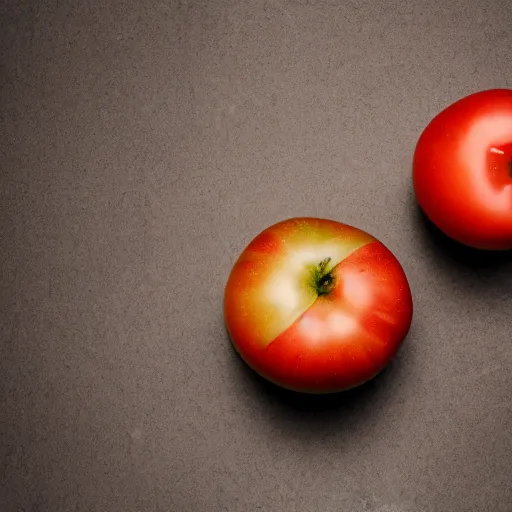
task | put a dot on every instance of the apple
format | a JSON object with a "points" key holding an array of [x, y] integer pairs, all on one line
{"points": [[317, 306]]}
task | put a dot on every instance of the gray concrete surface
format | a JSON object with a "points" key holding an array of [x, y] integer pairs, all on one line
{"points": [[143, 145]]}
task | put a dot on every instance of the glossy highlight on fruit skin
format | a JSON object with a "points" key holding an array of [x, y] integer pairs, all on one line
{"points": [[317, 306], [462, 170]]}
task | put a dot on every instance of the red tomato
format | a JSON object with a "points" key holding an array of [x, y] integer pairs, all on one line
{"points": [[317, 306], [462, 170]]}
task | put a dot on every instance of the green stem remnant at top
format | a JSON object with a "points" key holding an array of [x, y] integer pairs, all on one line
{"points": [[324, 281]]}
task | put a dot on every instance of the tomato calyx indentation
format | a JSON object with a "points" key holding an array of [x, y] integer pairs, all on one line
{"points": [[323, 280], [500, 164]]}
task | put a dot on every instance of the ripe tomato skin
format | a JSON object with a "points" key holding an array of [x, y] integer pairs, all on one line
{"points": [[335, 341], [462, 170]]}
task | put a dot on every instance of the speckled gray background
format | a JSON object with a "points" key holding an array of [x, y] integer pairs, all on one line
{"points": [[143, 145]]}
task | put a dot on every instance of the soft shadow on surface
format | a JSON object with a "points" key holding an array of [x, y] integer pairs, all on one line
{"points": [[458, 256], [317, 403], [318, 411]]}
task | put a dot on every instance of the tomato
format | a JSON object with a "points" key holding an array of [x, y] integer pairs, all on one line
{"points": [[317, 306], [462, 170]]}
